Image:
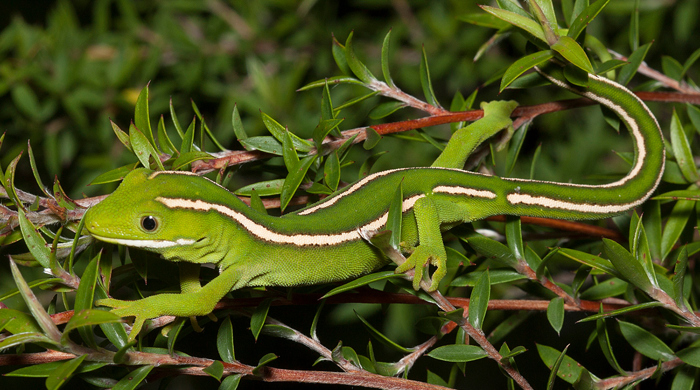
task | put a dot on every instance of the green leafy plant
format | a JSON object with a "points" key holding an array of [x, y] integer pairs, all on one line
{"points": [[625, 292]]}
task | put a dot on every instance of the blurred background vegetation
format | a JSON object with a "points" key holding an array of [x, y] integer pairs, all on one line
{"points": [[68, 67]]}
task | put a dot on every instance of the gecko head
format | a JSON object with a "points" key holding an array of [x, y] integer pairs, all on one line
{"points": [[134, 216]]}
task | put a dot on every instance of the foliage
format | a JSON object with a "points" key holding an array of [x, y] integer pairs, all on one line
{"points": [[628, 298]]}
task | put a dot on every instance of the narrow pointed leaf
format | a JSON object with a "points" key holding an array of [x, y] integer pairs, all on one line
{"points": [[645, 342], [358, 68], [585, 17], [479, 300], [458, 353], [425, 81], [142, 120], [627, 265], [555, 313], [294, 179], [63, 373], [257, 320], [681, 149], [133, 379], [385, 60], [224, 341], [573, 52], [518, 20]]}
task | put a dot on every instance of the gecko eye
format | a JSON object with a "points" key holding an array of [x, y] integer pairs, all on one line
{"points": [[149, 223]]}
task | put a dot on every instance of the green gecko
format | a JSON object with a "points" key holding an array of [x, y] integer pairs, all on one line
{"points": [[192, 220]]}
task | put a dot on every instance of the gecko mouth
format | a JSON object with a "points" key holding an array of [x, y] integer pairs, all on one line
{"points": [[152, 244]]}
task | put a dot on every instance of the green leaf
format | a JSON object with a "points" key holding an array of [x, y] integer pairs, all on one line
{"points": [[257, 371], [569, 369], [280, 331], [372, 138], [45, 369], [681, 150], [628, 71], [333, 81], [34, 240], [278, 131], [394, 218], [490, 248], [624, 310], [215, 370], [524, 64], [585, 17], [606, 289], [690, 355], [174, 332], [142, 147], [629, 267], [340, 56], [355, 101], [36, 308], [606, 346], [35, 171], [385, 60], [15, 322], [675, 224], [63, 373], [671, 67], [684, 379], [163, 140], [142, 120], [381, 337], [693, 195], [331, 171], [294, 179], [85, 296], [265, 144], [24, 338], [515, 146], [88, 317], [679, 272], [289, 154], [555, 313], [644, 342], [113, 175], [237, 124], [514, 237], [133, 379], [689, 62], [504, 328], [206, 128], [224, 341], [425, 81], [362, 281], [385, 109], [458, 353], [557, 364], [187, 143], [230, 382], [496, 276], [609, 65], [484, 20], [263, 188], [187, 158], [518, 20], [479, 300], [573, 52], [257, 320], [357, 67]]}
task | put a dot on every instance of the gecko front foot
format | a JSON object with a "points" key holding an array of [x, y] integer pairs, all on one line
{"points": [[136, 309], [422, 256]]}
